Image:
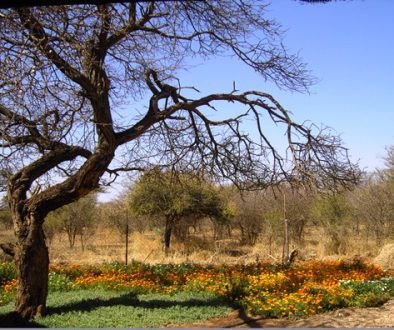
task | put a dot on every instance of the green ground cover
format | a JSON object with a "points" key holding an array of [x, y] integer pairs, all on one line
{"points": [[141, 296], [101, 308]]}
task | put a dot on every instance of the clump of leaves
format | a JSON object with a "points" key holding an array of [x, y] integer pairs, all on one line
{"points": [[7, 272], [6, 297]]}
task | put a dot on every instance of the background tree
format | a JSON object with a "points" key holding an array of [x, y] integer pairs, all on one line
{"points": [[176, 198], [334, 213], [261, 214], [5, 214], [70, 75], [387, 174], [374, 202], [52, 227], [297, 207], [117, 214], [249, 216], [76, 220], [273, 229], [375, 207], [222, 226]]}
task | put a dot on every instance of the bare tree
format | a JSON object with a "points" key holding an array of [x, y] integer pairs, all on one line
{"points": [[118, 215], [375, 209], [387, 174], [297, 210], [334, 213], [374, 202], [76, 219], [68, 81], [249, 216]]}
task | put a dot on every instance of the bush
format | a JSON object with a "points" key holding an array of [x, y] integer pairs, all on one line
{"points": [[7, 272], [5, 297]]}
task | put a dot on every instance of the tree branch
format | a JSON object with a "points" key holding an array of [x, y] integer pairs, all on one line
{"points": [[21, 182], [8, 248], [40, 39]]}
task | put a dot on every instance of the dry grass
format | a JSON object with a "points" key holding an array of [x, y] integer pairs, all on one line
{"points": [[386, 256], [106, 245]]}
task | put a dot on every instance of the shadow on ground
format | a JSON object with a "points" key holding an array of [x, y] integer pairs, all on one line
{"points": [[129, 299], [13, 320]]}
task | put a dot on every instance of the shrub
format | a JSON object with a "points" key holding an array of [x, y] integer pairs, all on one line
{"points": [[370, 293], [7, 272]]}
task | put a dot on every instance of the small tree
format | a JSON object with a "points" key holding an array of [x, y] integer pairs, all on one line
{"points": [[52, 227], [334, 213], [262, 214], [222, 226], [375, 208], [389, 172], [174, 197], [248, 216], [374, 202], [118, 215], [297, 210], [76, 219]]}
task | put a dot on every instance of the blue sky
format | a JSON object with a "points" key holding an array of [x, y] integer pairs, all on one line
{"points": [[348, 46]]}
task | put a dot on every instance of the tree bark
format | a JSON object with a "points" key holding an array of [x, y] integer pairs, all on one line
{"points": [[32, 263], [71, 234], [31, 252], [167, 235]]}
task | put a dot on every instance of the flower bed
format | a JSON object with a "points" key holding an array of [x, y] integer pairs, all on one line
{"points": [[302, 289]]}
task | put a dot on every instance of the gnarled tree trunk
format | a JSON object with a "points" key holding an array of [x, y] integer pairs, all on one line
{"points": [[32, 262], [30, 252]]}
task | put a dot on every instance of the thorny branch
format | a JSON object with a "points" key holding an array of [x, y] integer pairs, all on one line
{"points": [[69, 74], [314, 154]]}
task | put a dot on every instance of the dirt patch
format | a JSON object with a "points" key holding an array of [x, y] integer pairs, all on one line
{"points": [[373, 317]]}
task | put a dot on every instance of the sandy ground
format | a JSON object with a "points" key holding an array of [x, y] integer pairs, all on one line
{"points": [[376, 317]]}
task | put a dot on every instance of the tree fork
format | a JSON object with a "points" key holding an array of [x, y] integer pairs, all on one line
{"points": [[31, 253]]}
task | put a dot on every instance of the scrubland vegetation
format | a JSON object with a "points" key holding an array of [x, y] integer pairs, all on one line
{"points": [[194, 220], [227, 252], [91, 92]]}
